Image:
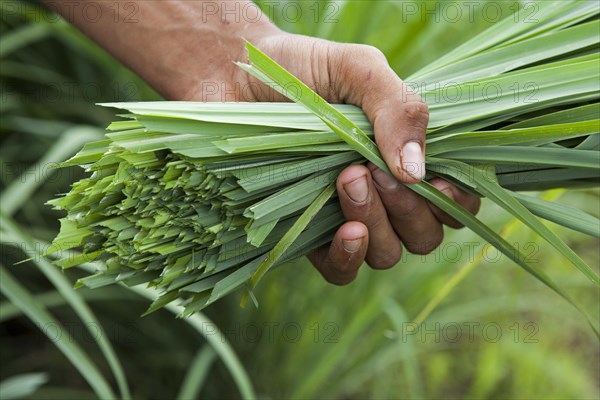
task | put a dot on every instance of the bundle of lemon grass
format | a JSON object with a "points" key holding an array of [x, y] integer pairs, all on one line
{"points": [[200, 199]]}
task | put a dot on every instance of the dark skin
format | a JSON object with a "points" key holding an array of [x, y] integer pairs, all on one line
{"points": [[186, 49]]}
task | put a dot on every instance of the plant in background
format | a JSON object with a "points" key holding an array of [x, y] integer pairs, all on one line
{"points": [[197, 199], [44, 72]]}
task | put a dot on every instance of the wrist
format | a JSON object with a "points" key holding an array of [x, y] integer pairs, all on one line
{"points": [[176, 46], [219, 78], [204, 56]]}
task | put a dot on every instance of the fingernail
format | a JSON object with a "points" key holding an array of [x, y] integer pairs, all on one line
{"points": [[383, 180], [412, 160], [357, 190], [352, 246]]}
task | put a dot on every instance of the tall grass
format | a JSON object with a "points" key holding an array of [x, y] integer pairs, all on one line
{"points": [[361, 353], [178, 197]]}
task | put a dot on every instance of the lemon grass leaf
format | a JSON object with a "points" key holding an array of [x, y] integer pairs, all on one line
{"points": [[290, 236], [485, 183], [574, 114], [561, 214], [591, 143], [533, 135], [275, 76], [575, 158], [549, 15], [264, 68], [37, 313], [22, 385], [81, 308], [457, 212], [273, 141], [507, 58], [219, 118], [14, 195], [518, 92], [197, 373]]}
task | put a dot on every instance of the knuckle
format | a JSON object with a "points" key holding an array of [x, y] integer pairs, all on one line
{"points": [[372, 52], [363, 50], [376, 222], [411, 95], [352, 172], [365, 213], [361, 59], [415, 113]]}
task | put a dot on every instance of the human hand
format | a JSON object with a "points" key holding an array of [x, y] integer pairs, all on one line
{"points": [[382, 214], [186, 52]]}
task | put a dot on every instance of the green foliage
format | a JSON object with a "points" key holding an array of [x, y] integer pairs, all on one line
{"points": [[351, 343], [160, 207]]}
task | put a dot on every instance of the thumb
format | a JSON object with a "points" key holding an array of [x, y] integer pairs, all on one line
{"points": [[399, 116]]}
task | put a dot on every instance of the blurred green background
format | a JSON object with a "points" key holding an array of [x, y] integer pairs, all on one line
{"points": [[462, 322]]}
